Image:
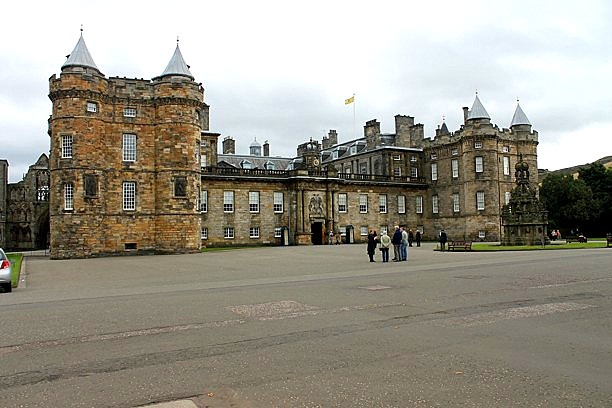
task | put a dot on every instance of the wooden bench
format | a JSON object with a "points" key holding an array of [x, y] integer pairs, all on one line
{"points": [[608, 240], [465, 245]]}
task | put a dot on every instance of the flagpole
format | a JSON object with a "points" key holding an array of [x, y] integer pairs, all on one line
{"points": [[354, 122]]}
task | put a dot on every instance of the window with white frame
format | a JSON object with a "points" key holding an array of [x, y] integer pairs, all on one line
{"points": [[129, 147], [228, 232], [228, 201], [278, 202], [401, 204], [481, 234], [455, 168], [92, 107], [203, 201], [435, 204], [434, 171], [506, 161], [384, 229], [254, 201], [129, 112], [66, 146], [254, 232], [353, 149], [456, 202], [478, 164], [382, 203], [419, 204], [129, 195], [363, 203], [203, 160], [413, 159], [363, 168], [507, 197], [397, 172], [434, 156], [454, 152], [342, 204], [397, 157], [277, 232], [69, 196], [342, 229], [480, 200], [363, 230], [414, 172], [477, 145], [204, 233], [506, 149]]}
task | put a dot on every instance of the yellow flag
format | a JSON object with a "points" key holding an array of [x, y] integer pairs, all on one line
{"points": [[349, 100]]}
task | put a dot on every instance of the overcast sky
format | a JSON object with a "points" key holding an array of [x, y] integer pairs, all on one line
{"points": [[277, 71]]}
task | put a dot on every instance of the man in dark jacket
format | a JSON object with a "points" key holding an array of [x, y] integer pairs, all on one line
{"points": [[443, 239], [396, 240]]}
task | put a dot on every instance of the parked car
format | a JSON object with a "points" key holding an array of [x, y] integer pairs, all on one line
{"points": [[5, 272]]}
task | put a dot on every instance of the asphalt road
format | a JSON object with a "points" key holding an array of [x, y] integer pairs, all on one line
{"points": [[311, 327]]}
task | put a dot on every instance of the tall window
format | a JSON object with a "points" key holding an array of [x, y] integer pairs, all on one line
{"points": [[204, 233], [435, 204], [254, 232], [228, 202], [129, 147], [129, 112], [278, 202], [342, 207], [254, 201], [363, 203], [455, 168], [382, 203], [507, 197], [506, 160], [278, 231], [203, 201], [203, 162], [397, 172], [66, 146], [478, 163], [456, 202], [414, 172], [434, 171], [129, 195], [401, 204], [180, 186], [480, 200], [419, 204], [68, 196], [228, 232]]}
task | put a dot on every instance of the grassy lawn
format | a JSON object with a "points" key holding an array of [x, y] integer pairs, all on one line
{"points": [[16, 261]]}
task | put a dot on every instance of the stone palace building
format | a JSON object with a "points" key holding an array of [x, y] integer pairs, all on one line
{"points": [[134, 168]]}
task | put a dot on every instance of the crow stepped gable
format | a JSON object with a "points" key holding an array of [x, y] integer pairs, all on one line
{"points": [[134, 168]]}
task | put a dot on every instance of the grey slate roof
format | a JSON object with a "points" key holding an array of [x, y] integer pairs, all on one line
{"points": [[177, 66], [478, 111], [519, 117], [257, 162], [80, 56]]}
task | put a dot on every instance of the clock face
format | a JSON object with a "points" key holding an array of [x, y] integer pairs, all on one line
{"points": [[315, 162]]}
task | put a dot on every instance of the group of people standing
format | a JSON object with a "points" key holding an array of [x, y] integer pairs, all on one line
{"points": [[400, 240]]}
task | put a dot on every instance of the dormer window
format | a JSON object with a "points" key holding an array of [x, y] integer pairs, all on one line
{"points": [[335, 154], [270, 166], [245, 164], [129, 112], [353, 149]]}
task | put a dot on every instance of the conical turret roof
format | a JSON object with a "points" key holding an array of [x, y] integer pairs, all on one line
{"points": [[519, 117], [177, 65], [478, 111], [80, 56]]}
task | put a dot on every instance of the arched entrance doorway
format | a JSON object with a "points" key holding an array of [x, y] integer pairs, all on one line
{"points": [[42, 235]]}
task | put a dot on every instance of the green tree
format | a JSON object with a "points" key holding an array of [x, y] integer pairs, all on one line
{"points": [[599, 180], [569, 202]]}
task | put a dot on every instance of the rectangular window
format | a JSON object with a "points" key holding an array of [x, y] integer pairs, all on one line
{"points": [[278, 202], [254, 201], [455, 168], [481, 234], [434, 171], [228, 202], [506, 149], [455, 152], [203, 201], [478, 163], [434, 204], [204, 233], [397, 172], [90, 183], [129, 112], [414, 172], [180, 186], [507, 197], [129, 147], [228, 232], [254, 232], [434, 156], [347, 170], [68, 196], [477, 145], [419, 204], [363, 231], [342, 206], [277, 232], [363, 203], [92, 107], [66, 146], [203, 160], [342, 230], [382, 203], [480, 200], [506, 160], [456, 202], [397, 157], [363, 168], [129, 195], [413, 159], [401, 204], [384, 229]]}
